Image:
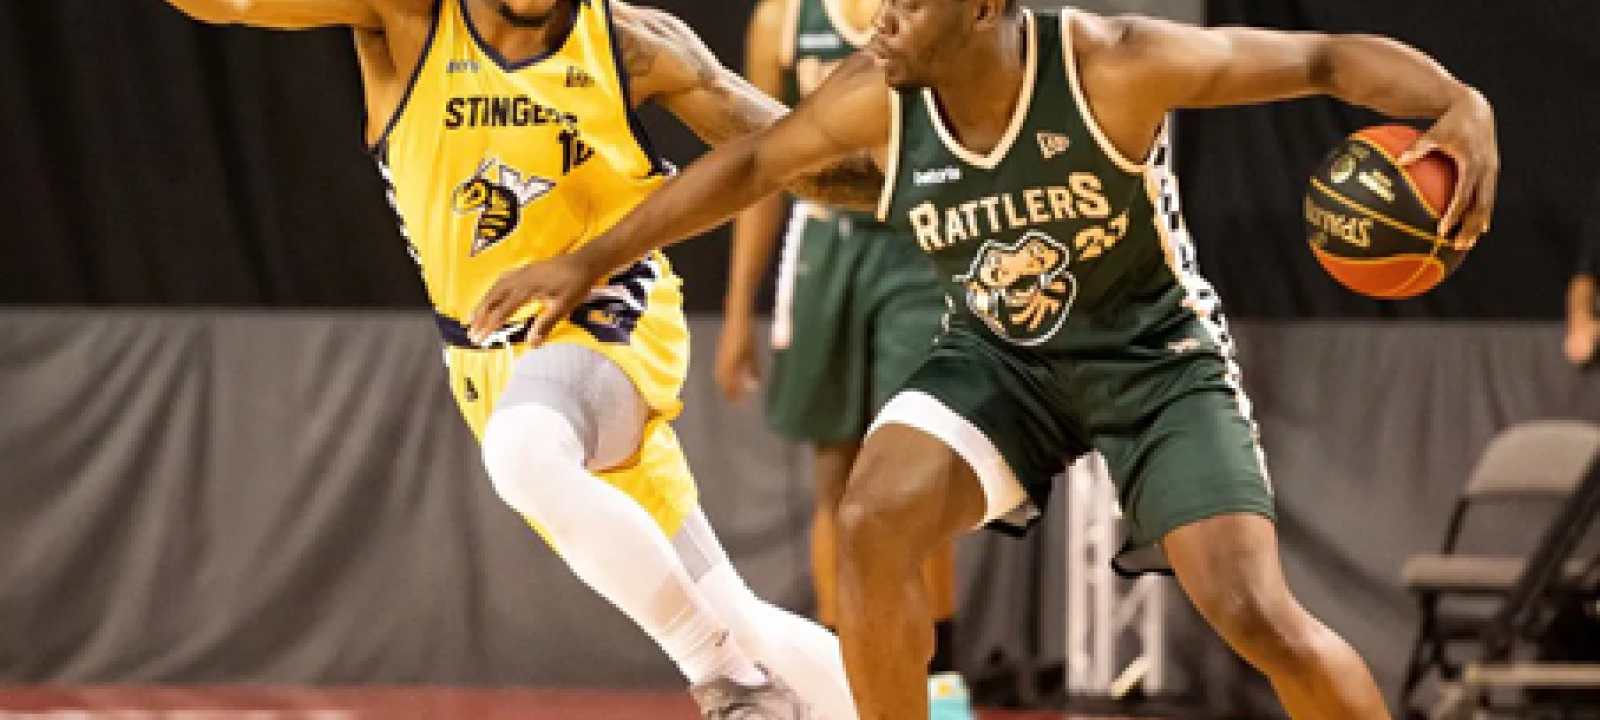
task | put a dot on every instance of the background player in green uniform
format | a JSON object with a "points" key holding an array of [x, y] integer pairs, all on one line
{"points": [[1067, 334], [857, 309]]}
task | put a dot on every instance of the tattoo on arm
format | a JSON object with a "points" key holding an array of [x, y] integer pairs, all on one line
{"points": [[638, 56], [853, 183], [669, 62], [660, 52]]}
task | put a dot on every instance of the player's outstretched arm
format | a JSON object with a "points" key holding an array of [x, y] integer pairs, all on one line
{"points": [[282, 14], [848, 116], [1180, 66], [667, 63]]}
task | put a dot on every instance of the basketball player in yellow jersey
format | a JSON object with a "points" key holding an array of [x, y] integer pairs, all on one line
{"points": [[856, 312], [505, 129]]}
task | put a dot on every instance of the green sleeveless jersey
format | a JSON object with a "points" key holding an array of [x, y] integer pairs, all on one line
{"points": [[819, 38], [1053, 241]]}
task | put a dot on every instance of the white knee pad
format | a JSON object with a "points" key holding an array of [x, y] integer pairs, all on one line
{"points": [[534, 455]]}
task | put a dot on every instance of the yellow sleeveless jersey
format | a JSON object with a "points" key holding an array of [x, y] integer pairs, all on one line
{"points": [[494, 163]]}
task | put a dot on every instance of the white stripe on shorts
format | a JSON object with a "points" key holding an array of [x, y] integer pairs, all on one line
{"points": [[788, 273], [1004, 496]]}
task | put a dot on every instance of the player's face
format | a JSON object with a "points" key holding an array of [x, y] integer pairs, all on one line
{"points": [[916, 39]]}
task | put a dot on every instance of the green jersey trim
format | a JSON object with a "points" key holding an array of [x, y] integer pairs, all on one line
{"points": [[1019, 114], [890, 173], [1071, 59]]}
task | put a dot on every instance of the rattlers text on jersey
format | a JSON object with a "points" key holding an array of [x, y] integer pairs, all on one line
{"points": [[493, 164]]}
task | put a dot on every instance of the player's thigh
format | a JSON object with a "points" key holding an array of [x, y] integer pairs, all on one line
{"points": [[628, 444], [908, 311], [911, 487], [658, 478], [1196, 456], [590, 391], [996, 413], [476, 378]]}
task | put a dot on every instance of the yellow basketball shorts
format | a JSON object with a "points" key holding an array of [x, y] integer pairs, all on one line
{"points": [[636, 321]]}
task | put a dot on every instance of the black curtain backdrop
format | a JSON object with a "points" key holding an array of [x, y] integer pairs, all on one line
{"points": [[1244, 169], [149, 160], [146, 159]]}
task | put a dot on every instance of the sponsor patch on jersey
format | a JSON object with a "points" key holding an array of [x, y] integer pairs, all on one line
{"points": [[936, 176]]}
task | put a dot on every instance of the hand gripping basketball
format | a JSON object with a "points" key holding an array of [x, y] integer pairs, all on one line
{"points": [[1466, 133], [1392, 212]]}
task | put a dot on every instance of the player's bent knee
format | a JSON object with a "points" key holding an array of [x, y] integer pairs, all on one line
{"points": [[978, 484], [831, 466], [530, 451], [1269, 628], [861, 521], [889, 503]]}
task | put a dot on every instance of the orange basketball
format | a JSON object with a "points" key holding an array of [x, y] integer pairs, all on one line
{"points": [[1374, 225]]}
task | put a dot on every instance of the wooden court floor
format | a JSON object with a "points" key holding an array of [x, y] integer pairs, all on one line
{"points": [[281, 703]]}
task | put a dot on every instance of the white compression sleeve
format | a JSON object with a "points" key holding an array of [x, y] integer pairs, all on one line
{"points": [[798, 650], [536, 458]]}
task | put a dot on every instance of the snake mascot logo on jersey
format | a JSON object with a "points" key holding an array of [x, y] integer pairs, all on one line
{"points": [[1023, 290], [498, 199]]}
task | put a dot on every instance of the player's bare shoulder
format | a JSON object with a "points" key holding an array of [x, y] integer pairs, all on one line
{"points": [[855, 106], [1102, 45], [660, 52], [407, 20], [1111, 53], [389, 53], [401, 30], [857, 75]]}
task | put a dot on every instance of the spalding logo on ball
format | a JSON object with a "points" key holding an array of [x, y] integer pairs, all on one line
{"points": [[1374, 225]]}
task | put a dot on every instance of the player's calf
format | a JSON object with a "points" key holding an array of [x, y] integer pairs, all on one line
{"points": [[909, 493], [1229, 567]]}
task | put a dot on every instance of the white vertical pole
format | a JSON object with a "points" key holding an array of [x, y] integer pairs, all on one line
{"points": [[1080, 500], [1102, 608]]}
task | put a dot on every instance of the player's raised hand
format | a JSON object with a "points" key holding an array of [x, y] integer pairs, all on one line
{"points": [[558, 284], [1466, 133]]}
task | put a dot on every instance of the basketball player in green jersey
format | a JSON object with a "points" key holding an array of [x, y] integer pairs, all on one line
{"points": [[856, 312], [1027, 154]]}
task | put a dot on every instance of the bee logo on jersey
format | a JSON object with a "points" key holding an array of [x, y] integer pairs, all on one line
{"points": [[1023, 290], [498, 199]]}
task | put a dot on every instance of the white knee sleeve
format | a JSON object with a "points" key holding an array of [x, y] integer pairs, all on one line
{"points": [[531, 452], [535, 460], [602, 406]]}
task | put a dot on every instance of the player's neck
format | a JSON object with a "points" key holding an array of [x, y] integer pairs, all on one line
{"points": [[520, 37], [980, 97]]}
